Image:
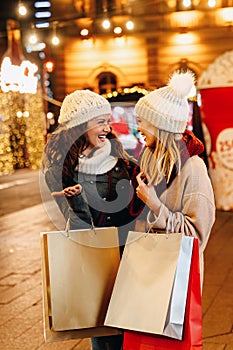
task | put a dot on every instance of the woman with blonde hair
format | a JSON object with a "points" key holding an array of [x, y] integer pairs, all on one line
{"points": [[174, 182]]}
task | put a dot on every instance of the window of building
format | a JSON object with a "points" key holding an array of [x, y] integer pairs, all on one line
{"points": [[104, 6], [107, 82]]}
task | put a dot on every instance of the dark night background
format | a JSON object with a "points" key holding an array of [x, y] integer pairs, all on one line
{"points": [[8, 10]]}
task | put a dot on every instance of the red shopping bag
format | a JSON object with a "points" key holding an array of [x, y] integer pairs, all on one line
{"points": [[192, 335]]}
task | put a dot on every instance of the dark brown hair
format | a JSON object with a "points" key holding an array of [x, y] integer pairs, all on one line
{"points": [[66, 145]]}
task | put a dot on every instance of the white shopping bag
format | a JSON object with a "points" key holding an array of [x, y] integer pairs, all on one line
{"points": [[176, 312]]}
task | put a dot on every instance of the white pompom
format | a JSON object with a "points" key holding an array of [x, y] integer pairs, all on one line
{"points": [[182, 83]]}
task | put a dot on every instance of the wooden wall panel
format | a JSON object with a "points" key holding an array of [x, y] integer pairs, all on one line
{"points": [[208, 46], [82, 64]]}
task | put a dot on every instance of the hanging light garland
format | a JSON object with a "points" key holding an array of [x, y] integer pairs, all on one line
{"points": [[43, 17], [127, 92], [22, 9]]}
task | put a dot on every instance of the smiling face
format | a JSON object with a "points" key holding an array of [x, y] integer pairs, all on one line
{"points": [[148, 132], [97, 130]]}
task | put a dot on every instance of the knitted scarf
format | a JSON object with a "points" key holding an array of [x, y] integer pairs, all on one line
{"points": [[99, 163]]}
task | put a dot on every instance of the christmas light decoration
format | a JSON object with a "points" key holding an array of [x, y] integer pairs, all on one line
{"points": [[18, 78], [22, 118], [22, 131], [126, 91]]}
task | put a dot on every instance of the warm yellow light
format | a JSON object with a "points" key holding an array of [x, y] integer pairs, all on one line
{"points": [[22, 137], [227, 14], [49, 66], [49, 115], [84, 32], [211, 3], [106, 24], [55, 40], [119, 42], [87, 43], [26, 114], [184, 39], [117, 30], [33, 39], [22, 10], [19, 114], [130, 25], [186, 3], [184, 19]]}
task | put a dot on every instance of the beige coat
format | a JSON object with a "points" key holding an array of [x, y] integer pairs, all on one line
{"points": [[188, 205]]}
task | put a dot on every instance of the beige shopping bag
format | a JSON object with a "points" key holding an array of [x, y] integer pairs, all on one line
{"points": [[144, 282], [78, 269]]}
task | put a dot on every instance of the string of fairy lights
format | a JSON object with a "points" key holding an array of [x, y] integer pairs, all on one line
{"points": [[44, 14]]}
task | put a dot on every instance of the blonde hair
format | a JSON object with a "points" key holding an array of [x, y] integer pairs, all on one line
{"points": [[158, 162]]}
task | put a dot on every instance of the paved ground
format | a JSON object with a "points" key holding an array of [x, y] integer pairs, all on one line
{"points": [[21, 222]]}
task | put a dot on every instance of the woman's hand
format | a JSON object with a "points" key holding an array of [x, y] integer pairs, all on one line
{"points": [[147, 193], [142, 190], [68, 191]]}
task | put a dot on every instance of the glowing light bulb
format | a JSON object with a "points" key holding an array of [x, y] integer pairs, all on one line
{"points": [[211, 3], [187, 3], [19, 114], [22, 10], [49, 115], [33, 39], [117, 30], [130, 25], [106, 24], [84, 32], [55, 40], [26, 114]]}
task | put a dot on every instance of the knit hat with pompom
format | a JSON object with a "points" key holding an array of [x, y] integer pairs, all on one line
{"points": [[167, 108], [81, 106]]}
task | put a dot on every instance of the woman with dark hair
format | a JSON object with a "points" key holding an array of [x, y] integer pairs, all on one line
{"points": [[90, 175]]}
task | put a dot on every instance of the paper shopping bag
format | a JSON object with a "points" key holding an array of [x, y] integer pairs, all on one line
{"points": [[176, 311], [78, 270], [144, 282], [192, 335]]}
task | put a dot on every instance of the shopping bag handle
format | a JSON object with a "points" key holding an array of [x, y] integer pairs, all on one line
{"points": [[169, 226], [67, 226]]}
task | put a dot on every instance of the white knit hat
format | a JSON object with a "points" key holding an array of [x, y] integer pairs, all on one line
{"points": [[81, 106], [167, 108]]}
